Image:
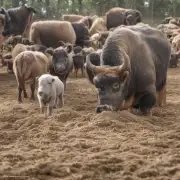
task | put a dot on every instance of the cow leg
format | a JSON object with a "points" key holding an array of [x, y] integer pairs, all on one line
{"points": [[61, 101], [19, 94], [32, 86], [76, 72]]}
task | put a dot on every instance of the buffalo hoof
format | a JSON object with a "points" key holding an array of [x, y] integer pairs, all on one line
{"points": [[144, 112], [19, 102], [101, 108]]}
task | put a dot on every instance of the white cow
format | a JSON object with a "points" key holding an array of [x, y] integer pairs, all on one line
{"points": [[50, 93]]}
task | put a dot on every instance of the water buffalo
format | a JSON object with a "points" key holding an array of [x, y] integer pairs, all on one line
{"points": [[18, 20], [62, 62], [119, 16], [137, 60]]}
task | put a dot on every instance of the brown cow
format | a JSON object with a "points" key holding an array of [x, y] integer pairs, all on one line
{"points": [[48, 33], [71, 17], [98, 25], [27, 66]]}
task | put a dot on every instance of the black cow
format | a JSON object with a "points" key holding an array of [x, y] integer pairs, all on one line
{"points": [[82, 34], [17, 19]]}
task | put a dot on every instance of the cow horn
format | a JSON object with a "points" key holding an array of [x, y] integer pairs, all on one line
{"points": [[92, 67], [126, 62]]}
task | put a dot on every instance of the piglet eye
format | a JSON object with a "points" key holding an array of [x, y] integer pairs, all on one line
{"points": [[115, 86]]}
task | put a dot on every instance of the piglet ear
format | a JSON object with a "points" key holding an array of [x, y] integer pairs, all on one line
{"points": [[53, 79], [69, 48]]}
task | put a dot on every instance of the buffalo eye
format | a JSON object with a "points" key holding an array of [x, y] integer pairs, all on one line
{"points": [[115, 86]]}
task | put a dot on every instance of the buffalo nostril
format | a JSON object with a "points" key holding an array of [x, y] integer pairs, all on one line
{"points": [[98, 109]]}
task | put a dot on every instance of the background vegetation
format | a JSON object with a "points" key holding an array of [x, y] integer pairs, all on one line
{"points": [[152, 10]]}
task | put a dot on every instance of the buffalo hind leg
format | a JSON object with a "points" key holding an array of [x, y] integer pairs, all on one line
{"points": [[21, 87], [32, 86], [19, 94]]}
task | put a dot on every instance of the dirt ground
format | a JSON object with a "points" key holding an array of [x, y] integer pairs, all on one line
{"points": [[77, 144]]}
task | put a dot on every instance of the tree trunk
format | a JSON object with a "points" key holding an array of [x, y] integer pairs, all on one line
{"points": [[15, 3], [80, 6], [1, 3], [174, 9], [58, 8], [48, 11], [101, 7], [73, 8], [152, 11]]}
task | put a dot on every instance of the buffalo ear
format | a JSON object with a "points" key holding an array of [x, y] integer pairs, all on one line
{"points": [[60, 43], [49, 51], [69, 48], [31, 9]]}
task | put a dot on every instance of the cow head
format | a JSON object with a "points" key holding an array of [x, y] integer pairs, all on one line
{"points": [[132, 17], [111, 83], [30, 9], [61, 57]]}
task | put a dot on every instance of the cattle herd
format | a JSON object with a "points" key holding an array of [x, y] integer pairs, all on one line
{"points": [[125, 59]]}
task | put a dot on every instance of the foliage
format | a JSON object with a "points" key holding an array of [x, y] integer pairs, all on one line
{"points": [[49, 9]]}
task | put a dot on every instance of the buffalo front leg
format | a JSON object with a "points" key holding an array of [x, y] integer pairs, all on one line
{"points": [[127, 103], [146, 103], [161, 97], [32, 86], [76, 72]]}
